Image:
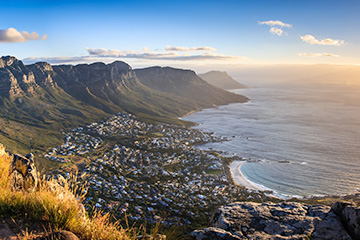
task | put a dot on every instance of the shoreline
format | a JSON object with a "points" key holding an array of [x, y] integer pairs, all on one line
{"points": [[239, 178], [245, 100]]}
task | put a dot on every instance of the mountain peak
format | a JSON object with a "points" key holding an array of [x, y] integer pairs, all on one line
{"points": [[9, 61], [120, 66]]}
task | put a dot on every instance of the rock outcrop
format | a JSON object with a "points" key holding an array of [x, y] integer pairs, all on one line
{"points": [[246, 220], [23, 175], [15, 78], [350, 217]]}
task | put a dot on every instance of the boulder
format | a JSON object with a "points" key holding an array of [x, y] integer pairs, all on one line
{"points": [[287, 220], [216, 233], [151, 237], [350, 217], [23, 175]]}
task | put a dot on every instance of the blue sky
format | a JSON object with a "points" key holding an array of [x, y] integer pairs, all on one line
{"points": [[138, 32]]}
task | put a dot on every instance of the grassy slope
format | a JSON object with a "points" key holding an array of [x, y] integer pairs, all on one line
{"points": [[40, 120]]}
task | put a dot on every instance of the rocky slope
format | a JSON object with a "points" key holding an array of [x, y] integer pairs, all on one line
{"points": [[221, 80], [287, 220]]}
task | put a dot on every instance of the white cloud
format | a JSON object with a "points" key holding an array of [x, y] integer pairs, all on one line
{"points": [[60, 60], [187, 49], [318, 54], [276, 26], [327, 41], [100, 54], [275, 23], [12, 35], [146, 54], [276, 31]]}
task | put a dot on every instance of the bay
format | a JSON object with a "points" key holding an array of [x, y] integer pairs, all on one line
{"points": [[299, 140]]}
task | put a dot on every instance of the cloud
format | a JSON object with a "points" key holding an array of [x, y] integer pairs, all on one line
{"points": [[318, 54], [276, 26], [59, 60], [275, 23], [187, 49], [12, 35], [276, 31], [100, 54], [327, 41], [146, 54]]}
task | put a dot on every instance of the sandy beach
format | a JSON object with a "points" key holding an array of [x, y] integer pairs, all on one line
{"points": [[239, 178]]}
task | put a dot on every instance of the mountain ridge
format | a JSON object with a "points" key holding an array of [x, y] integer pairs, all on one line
{"points": [[44, 98]]}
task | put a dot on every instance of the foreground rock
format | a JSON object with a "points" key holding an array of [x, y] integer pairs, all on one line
{"points": [[246, 220], [350, 217], [23, 175]]}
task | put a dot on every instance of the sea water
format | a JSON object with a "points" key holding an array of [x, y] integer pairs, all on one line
{"points": [[298, 140]]}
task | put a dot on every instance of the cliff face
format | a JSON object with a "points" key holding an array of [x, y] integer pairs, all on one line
{"points": [[107, 82], [15, 78], [43, 73]]}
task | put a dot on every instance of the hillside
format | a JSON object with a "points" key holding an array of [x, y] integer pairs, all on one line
{"points": [[43, 100], [221, 80]]}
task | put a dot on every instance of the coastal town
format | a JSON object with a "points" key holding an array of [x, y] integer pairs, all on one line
{"points": [[151, 172]]}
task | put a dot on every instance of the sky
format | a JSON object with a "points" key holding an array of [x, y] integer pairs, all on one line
{"points": [[188, 33]]}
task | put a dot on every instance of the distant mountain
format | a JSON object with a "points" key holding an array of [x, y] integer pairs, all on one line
{"points": [[40, 99], [221, 80], [187, 85]]}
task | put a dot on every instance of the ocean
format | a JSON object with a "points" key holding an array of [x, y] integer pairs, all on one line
{"points": [[298, 139]]}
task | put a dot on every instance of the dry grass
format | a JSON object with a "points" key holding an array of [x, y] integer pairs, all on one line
{"points": [[59, 206]]}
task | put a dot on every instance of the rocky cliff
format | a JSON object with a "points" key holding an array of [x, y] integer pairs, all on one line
{"points": [[15, 78], [287, 220]]}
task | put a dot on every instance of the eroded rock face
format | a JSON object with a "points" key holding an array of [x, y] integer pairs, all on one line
{"points": [[246, 220], [15, 78], [23, 174], [350, 217]]}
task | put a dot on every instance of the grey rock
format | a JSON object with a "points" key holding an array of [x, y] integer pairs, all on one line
{"points": [[287, 220], [151, 237], [216, 233], [23, 175], [350, 217], [330, 228], [5, 231]]}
